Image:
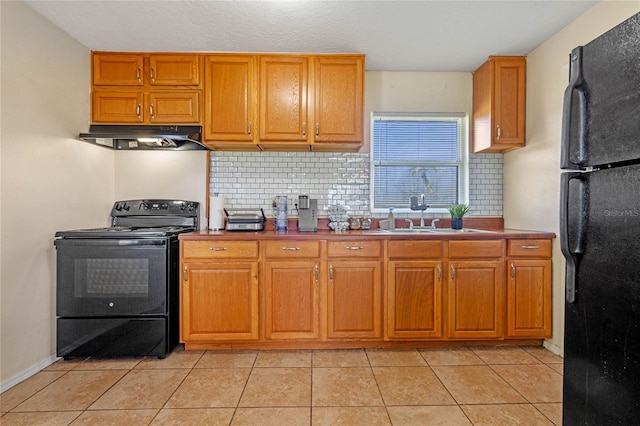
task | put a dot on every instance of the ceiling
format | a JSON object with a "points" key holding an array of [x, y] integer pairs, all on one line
{"points": [[395, 35]]}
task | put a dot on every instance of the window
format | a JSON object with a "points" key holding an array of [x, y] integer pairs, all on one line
{"points": [[414, 154]]}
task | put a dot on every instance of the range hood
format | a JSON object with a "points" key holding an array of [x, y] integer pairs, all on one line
{"points": [[138, 138]]}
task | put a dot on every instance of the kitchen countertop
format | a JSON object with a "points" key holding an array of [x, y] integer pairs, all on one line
{"points": [[294, 234]]}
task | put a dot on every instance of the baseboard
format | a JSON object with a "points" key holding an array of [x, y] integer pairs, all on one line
{"points": [[23, 375], [551, 347]]}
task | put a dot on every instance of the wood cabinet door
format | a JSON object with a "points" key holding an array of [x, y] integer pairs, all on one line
{"points": [[117, 69], [117, 106], [230, 98], [414, 300], [174, 70], [283, 98], [475, 299], [529, 298], [174, 107], [339, 88], [509, 101], [354, 299], [292, 299], [219, 301]]}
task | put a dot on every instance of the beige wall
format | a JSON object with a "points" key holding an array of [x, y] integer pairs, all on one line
{"points": [[532, 174], [416, 92], [45, 173]]}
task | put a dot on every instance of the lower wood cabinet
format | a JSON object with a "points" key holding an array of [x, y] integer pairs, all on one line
{"points": [[475, 299], [219, 301], [414, 300], [354, 302]]}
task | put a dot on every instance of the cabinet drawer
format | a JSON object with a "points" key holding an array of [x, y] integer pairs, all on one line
{"points": [[475, 249], [529, 248], [220, 249], [292, 249], [415, 249], [354, 248]]}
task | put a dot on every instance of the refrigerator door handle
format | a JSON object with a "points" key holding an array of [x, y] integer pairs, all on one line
{"points": [[572, 190], [575, 86]]}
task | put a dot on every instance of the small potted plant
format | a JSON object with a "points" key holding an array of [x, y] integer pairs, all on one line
{"points": [[457, 211]]}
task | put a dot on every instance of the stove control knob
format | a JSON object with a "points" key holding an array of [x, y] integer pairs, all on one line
{"points": [[126, 206], [118, 207], [182, 206], [191, 207]]}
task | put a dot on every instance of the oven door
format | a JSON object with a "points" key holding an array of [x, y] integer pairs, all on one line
{"points": [[111, 277]]}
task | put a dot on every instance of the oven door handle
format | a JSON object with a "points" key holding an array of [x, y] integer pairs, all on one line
{"points": [[110, 242]]}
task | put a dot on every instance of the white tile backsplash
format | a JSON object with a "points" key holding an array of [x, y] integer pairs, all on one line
{"points": [[252, 179]]}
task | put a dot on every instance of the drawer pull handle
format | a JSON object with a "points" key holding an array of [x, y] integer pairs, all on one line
{"points": [[316, 272], [530, 247], [439, 268], [218, 248], [152, 75], [453, 273], [291, 248], [354, 248], [331, 272], [513, 271]]}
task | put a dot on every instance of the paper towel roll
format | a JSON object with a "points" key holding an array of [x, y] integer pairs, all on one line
{"points": [[216, 214]]}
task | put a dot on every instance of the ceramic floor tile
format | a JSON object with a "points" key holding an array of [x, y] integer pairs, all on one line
{"points": [[470, 384], [193, 416], [395, 358], [62, 365], [450, 356], [284, 359], [176, 359], [537, 383], [109, 364], [351, 386], [504, 355], [340, 358], [141, 389], [49, 418], [450, 415], [115, 417], [272, 416], [348, 416], [544, 355], [227, 359], [211, 387], [558, 368], [505, 415], [411, 386], [75, 390], [278, 387], [553, 411], [23, 390]]}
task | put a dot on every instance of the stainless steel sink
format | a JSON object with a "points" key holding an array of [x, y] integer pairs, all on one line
{"points": [[435, 231]]}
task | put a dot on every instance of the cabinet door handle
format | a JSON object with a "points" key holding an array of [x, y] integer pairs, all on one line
{"points": [[249, 128], [138, 73], [513, 271], [304, 129], [439, 268], [218, 248], [151, 111], [317, 129], [184, 274], [453, 273], [316, 272], [331, 272], [290, 248], [152, 75], [499, 132], [530, 247], [354, 248], [138, 108]]}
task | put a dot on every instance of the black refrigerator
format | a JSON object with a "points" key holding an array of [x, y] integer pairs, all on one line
{"points": [[600, 230]]}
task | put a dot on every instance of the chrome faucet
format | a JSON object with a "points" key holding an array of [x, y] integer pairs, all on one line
{"points": [[422, 206], [433, 223]]}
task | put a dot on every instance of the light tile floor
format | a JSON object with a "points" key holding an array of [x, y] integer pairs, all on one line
{"points": [[455, 386]]}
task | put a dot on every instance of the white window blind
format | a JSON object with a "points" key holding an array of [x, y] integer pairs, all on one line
{"points": [[414, 154]]}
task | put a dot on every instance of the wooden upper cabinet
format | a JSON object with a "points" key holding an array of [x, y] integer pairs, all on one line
{"points": [[117, 106], [283, 98], [339, 93], [135, 106], [135, 69], [230, 99], [499, 102]]}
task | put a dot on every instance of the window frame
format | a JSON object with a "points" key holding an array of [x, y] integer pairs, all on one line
{"points": [[462, 162]]}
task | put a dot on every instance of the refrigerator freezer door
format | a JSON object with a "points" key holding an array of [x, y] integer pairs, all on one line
{"points": [[602, 101], [602, 322]]}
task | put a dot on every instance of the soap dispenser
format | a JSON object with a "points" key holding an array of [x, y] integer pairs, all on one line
{"points": [[392, 220]]}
